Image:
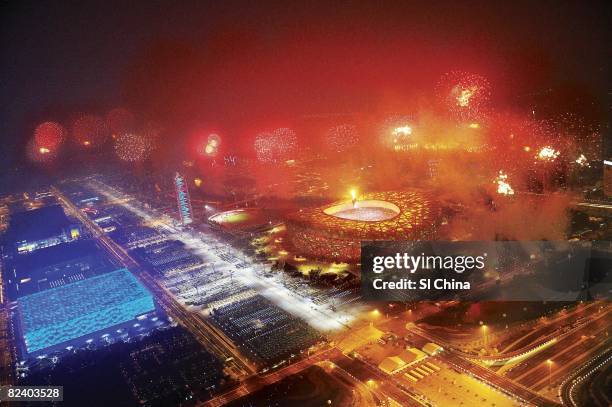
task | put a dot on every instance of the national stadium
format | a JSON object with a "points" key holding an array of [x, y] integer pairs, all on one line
{"points": [[334, 232]]}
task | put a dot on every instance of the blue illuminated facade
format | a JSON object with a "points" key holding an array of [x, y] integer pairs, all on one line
{"points": [[182, 196], [71, 311]]}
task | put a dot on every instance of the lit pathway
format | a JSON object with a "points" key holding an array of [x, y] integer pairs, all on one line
{"points": [[319, 316]]}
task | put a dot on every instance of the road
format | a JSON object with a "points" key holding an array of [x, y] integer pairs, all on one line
{"points": [[578, 378], [6, 356], [255, 383], [567, 324], [6, 338], [569, 351], [273, 287], [212, 339], [500, 382], [386, 385], [382, 386], [363, 394], [547, 326]]}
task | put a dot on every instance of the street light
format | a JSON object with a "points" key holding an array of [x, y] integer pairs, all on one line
{"points": [[484, 334], [549, 363]]}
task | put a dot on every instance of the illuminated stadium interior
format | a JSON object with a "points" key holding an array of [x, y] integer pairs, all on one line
{"points": [[245, 218], [364, 211], [335, 231]]}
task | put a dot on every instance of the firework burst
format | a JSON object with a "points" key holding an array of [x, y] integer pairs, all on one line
{"points": [[264, 147], [503, 187], [342, 137], [513, 139], [89, 131], [465, 95], [49, 136], [286, 140], [397, 130], [578, 137], [547, 154], [40, 154], [276, 146], [132, 147], [211, 148], [582, 161]]}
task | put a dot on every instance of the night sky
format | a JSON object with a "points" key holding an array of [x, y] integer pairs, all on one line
{"points": [[240, 66]]}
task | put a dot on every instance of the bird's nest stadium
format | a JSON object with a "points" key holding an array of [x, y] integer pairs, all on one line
{"points": [[334, 232]]}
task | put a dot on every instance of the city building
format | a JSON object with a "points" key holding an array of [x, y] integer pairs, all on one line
{"points": [[55, 266], [391, 364], [39, 228], [412, 355]]}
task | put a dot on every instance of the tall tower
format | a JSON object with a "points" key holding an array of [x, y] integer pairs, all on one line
{"points": [[182, 197]]}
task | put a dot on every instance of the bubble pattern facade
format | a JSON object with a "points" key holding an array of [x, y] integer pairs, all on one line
{"points": [[52, 317], [315, 234]]}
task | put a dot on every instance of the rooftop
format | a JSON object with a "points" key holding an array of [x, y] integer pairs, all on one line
{"points": [[37, 224], [56, 265], [71, 311]]}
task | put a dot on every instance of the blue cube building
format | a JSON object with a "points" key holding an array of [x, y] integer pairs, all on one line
{"points": [[62, 314]]}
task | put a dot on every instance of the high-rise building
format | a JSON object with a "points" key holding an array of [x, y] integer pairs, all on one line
{"points": [[182, 197]]}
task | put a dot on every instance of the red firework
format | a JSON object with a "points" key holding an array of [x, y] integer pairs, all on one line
{"points": [[49, 135], [465, 95], [132, 147], [40, 154], [211, 148], [342, 137], [286, 140], [89, 131], [397, 129], [516, 139], [516, 131], [276, 146], [264, 147]]}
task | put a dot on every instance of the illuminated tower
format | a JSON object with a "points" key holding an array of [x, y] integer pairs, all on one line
{"points": [[182, 197]]}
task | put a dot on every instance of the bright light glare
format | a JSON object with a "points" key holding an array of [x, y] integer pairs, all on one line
{"points": [[402, 131], [503, 187]]}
